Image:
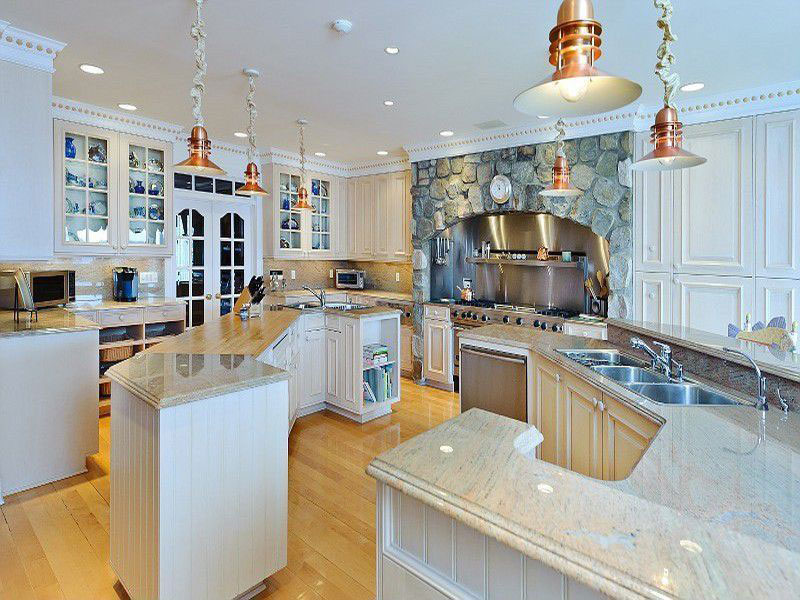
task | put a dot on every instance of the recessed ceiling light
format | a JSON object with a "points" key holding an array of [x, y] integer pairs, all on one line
{"points": [[391, 50], [382, 153], [127, 106], [693, 87], [388, 102], [342, 26], [91, 69], [542, 117], [320, 154], [239, 134], [446, 133]]}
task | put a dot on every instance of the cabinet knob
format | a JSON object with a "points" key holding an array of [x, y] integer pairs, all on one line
{"points": [[651, 295], [217, 295], [594, 402], [558, 378], [601, 406], [651, 249], [208, 296]]}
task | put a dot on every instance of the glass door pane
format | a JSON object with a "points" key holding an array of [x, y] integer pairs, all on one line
{"points": [[146, 195], [232, 256], [290, 237], [321, 217], [86, 188], [192, 264]]}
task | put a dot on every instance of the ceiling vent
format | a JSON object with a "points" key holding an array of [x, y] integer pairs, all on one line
{"points": [[494, 124]]}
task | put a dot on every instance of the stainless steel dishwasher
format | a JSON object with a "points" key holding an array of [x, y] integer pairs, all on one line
{"points": [[494, 381]]}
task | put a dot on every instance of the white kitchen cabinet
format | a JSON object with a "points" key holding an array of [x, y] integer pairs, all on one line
{"points": [[653, 300], [313, 375], [653, 213], [438, 352], [363, 218], [777, 298], [777, 194], [352, 224], [399, 216], [113, 192], [335, 372], [406, 354], [380, 217], [710, 302], [713, 206]]}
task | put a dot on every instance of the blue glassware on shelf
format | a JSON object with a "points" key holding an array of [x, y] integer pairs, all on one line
{"points": [[138, 188], [69, 147], [315, 187]]}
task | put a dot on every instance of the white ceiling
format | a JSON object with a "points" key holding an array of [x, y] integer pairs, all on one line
{"points": [[461, 62]]}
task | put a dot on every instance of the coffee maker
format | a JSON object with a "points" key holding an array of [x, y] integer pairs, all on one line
{"points": [[126, 284]]}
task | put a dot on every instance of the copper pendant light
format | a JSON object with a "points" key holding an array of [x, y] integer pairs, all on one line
{"points": [[199, 144], [302, 193], [666, 133], [577, 87], [251, 175], [561, 187]]}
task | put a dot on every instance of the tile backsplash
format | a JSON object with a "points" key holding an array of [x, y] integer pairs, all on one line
{"points": [[93, 280], [316, 273]]}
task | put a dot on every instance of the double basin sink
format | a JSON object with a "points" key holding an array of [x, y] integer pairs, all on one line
{"points": [[637, 377], [334, 305]]}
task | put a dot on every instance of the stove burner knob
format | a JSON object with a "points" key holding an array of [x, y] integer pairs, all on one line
{"points": [[544, 326], [536, 323], [484, 318], [519, 320], [469, 314], [557, 328], [505, 319], [475, 317]]}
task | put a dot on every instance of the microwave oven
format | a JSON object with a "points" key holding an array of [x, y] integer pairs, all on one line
{"points": [[351, 279], [49, 288]]}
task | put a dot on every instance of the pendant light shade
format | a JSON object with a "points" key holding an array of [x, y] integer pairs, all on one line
{"points": [[251, 186], [666, 133], [561, 186], [576, 87], [199, 144], [302, 193]]}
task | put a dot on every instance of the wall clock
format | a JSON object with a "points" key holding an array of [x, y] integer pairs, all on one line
{"points": [[500, 189]]}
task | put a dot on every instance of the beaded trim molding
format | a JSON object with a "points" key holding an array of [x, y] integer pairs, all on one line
{"points": [[28, 49]]}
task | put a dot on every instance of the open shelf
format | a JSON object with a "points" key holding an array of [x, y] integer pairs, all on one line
{"points": [[555, 264], [368, 365]]}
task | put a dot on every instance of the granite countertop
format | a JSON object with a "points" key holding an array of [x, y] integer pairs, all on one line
{"points": [[88, 305], [358, 313], [380, 294], [171, 379], [51, 320], [771, 360], [710, 511]]}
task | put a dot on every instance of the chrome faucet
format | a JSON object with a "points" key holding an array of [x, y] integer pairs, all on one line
{"points": [[761, 401], [660, 362], [318, 295]]}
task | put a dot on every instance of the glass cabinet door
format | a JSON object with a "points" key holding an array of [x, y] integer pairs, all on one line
{"points": [[290, 220], [87, 186], [232, 260], [321, 217], [194, 261]]}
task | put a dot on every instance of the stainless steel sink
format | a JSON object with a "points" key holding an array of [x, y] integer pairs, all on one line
{"points": [[334, 305], [303, 305], [627, 375], [680, 393], [596, 358]]}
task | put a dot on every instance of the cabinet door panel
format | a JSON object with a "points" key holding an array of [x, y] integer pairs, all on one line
{"points": [[777, 298], [406, 356], [653, 298], [653, 208], [584, 428], [710, 303], [778, 194], [549, 411], [713, 208], [353, 216], [626, 436], [438, 351], [380, 217]]}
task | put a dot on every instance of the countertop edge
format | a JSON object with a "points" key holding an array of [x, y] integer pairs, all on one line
{"points": [[608, 581]]}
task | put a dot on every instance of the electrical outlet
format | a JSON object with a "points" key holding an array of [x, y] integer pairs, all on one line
{"points": [[397, 276], [293, 274], [148, 277], [330, 274]]}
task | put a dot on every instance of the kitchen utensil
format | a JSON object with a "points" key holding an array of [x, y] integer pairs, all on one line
{"points": [[590, 286], [466, 293]]}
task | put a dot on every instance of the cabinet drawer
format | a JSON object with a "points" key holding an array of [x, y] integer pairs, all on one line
{"points": [[164, 313], [333, 322], [90, 315], [583, 330], [123, 316], [437, 312], [316, 321]]}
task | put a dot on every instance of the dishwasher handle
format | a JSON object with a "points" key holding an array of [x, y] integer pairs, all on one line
{"points": [[494, 354]]}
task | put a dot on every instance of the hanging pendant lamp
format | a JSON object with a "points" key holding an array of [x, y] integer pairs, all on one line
{"points": [[577, 87], [666, 133], [199, 144], [302, 193], [561, 187], [251, 175]]}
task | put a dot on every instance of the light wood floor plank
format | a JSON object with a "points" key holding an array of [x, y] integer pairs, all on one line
{"points": [[54, 539]]}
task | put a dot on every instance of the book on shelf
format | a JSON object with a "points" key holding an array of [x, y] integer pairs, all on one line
{"points": [[376, 354]]}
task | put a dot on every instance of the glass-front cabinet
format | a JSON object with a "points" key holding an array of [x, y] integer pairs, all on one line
{"points": [[289, 219], [321, 216], [113, 192]]}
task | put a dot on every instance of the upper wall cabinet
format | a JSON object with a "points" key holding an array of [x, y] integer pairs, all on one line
{"points": [[653, 213], [113, 192], [713, 203], [777, 195], [380, 217]]}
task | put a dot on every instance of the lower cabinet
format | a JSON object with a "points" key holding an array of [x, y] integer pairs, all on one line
{"points": [[313, 381], [653, 301], [586, 430], [406, 354], [438, 352]]}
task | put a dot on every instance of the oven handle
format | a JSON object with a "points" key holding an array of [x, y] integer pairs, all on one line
{"points": [[492, 354]]}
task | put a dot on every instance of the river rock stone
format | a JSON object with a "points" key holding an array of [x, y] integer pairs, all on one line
{"points": [[624, 173], [609, 141], [526, 152], [607, 192], [582, 176], [584, 209], [602, 221], [503, 167], [443, 167], [437, 189], [472, 159], [438, 220], [474, 198], [456, 164], [524, 172], [619, 267], [589, 149], [607, 164], [621, 240], [469, 173], [453, 188], [546, 154], [625, 208], [485, 172]]}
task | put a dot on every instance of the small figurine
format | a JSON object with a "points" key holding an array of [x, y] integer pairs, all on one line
{"points": [[133, 162], [542, 253], [96, 154]]}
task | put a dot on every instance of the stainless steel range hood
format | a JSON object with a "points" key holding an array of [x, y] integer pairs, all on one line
{"points": [[518, 283]]}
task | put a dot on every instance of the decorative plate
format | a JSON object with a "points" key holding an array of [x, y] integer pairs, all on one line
{"points": [[500, 189]]}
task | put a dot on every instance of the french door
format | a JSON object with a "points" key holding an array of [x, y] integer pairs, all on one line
{"points": [[213, 258]]}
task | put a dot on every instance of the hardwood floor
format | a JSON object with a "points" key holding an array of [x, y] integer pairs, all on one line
{"points": [[54, 539]]}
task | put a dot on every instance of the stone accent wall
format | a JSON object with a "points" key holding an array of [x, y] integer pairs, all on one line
{"points": [[448, 190]]}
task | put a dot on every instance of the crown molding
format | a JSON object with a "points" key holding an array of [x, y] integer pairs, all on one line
{"points": [[289, 158], [742, 103], [28, 49], [88, 114]]}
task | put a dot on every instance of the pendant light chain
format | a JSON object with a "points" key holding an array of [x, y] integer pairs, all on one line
{"points": [[251, 127], [560, 137], [664, 53], [198, 34], [302, 153]]}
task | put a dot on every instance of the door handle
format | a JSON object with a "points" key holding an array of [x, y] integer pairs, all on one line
{"points": [[217, 295], [208, 296], [601, 406], [594, 402]]}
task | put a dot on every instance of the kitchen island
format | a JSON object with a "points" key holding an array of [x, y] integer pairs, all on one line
{"points": [[708, 511]]}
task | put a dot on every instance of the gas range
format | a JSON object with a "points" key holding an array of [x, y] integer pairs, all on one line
{"points": [[475, 313]]}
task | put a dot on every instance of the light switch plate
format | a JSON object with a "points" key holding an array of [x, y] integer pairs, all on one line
{"points": [[330, 274], [397, 276], [148, 277], [294, 274]]}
